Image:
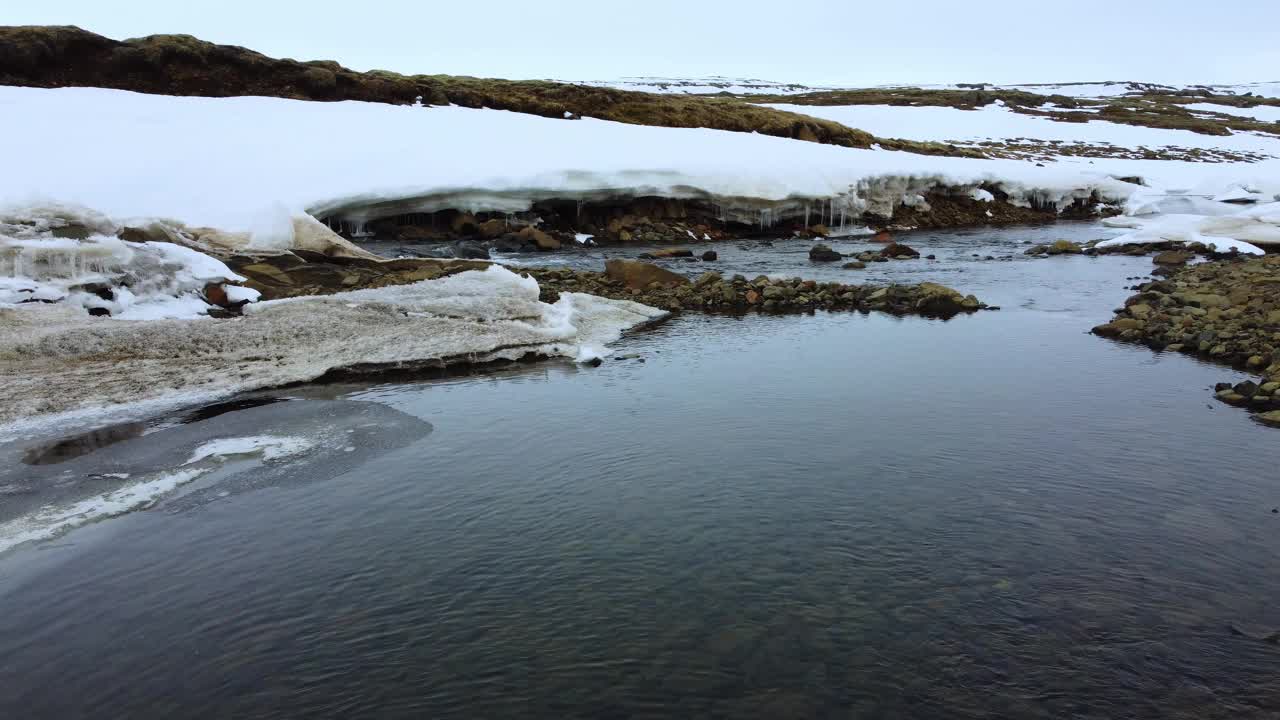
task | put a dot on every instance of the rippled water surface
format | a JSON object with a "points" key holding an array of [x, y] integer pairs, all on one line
{"points": [[815, 516]]}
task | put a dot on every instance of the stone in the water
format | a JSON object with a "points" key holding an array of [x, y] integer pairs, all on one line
{"points": [[823, 253], [710, 256], [898, 250], [855, 265], [639, 275]]}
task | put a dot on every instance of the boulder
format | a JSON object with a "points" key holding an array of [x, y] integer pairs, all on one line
{"points": [[822, 253], [539, 238], [1064, 247], [672, 253], [638, 275], [710, 256], [820, 230], [898, 250], [1172, 257], [490, 229], [935, 299], [855, 265], [470, 250]]}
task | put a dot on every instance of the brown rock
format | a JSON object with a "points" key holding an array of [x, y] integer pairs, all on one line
{"points": [[672, 253], [895, 250], [1172, 257], [539, 238], [490, 229], [639, 275], [215, 294]]}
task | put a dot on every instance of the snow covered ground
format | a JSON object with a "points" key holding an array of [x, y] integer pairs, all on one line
{"points": [[1114, 88], [702, 86], [250, 163], [1262, 113], [997, 122]]}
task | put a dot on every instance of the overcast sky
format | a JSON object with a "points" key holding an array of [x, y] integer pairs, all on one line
{"points": [[812, 41]]}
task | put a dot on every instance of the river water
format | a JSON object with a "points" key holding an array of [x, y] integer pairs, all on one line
{"points": [[814, 516]]}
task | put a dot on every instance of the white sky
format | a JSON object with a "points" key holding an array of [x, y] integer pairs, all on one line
{"points": [[843, 42]]}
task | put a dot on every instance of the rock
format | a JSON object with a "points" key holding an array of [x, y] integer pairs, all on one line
{"points": [[215, 294], [822, 253], [490, 229], [639, 275], [820, 230], [938, 299], [1271, 418], [464, 223], [1139, 310], [1064, 247], [706, 279], [710, 256], [855, 265], [542, 240], [1248, 388], [1172, 257], [470, 250], [753, 297], [672, 253], [898, 250]]}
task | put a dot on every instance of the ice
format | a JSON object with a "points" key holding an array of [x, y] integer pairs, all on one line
{"points": [[53, 521], [136, 281], [270, 447], [56, 363], [981, 195]]}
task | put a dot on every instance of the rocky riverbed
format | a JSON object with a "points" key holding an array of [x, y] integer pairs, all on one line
{"points": [[298, 274], [1226, 311]]}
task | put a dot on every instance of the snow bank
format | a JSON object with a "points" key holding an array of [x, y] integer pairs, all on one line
{"points": [[244, 163], [1242, 231], [55, 362]]}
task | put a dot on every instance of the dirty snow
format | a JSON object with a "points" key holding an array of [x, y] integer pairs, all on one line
{"points": [[57, 363]]}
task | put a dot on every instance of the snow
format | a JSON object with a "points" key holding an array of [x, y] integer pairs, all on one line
{"points": [[259, 160], [1263, 113], [995, 122], [142, 281], [982, 195], [1239, 231], [701, 86], [584, 239], [61, 364], [270, 447], [239, 294]]}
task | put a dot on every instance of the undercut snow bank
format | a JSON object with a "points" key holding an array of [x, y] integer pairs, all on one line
{"points": [[244, 163], [56, 362]]}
